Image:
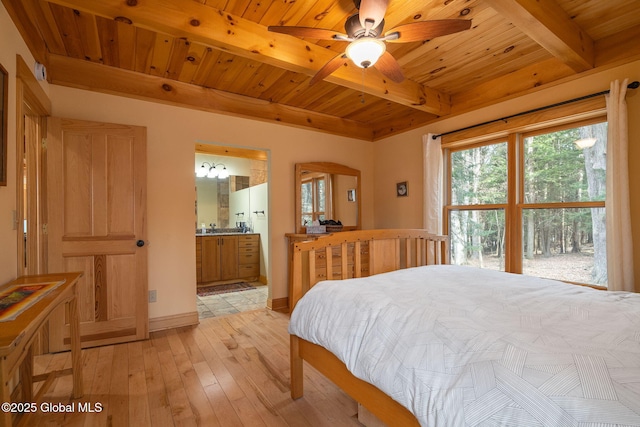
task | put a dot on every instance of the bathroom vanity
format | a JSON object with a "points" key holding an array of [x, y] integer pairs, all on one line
{"points": [[223, 257]]}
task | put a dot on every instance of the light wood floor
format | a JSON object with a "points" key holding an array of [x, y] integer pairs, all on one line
{"points": [[228, 371]]}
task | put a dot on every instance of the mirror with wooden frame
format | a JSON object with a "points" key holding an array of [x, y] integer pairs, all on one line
{"points": [[327, 191]]}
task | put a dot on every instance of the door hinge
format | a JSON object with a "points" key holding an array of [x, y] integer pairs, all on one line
{"points": [[45, 228], [44, 143]]}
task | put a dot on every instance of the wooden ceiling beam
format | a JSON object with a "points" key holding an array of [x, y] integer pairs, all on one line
{"points": [[224, 31], [618, 49], [231, 151], [27, 28], [96, 77], [545, 22]]}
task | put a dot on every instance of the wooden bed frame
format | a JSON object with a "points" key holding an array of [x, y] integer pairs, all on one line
{"points": [[355, 254]]}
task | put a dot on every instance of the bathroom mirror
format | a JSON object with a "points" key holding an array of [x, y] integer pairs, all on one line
{"points": [[220, 202], [229, 201], [324, 191]]}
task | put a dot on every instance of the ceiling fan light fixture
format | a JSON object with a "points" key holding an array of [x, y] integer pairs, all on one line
{"points": [[365, 52]]}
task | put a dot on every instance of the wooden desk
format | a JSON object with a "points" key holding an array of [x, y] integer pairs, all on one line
{"points": [[16, 337]]}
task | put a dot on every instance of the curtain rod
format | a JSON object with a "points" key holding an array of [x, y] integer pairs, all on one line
{"points": [[632, 85]]}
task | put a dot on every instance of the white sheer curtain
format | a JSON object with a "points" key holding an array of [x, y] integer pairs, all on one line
{"points": [[329, 197], [619, 243], [432, 184]]}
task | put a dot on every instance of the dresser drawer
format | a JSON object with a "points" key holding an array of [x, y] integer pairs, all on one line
{"points": [[248, 250], [253, 245], [249, 270], [249, 240], [249, 258]]}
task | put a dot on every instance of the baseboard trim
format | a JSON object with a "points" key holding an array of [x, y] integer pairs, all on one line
{"points": [[173, 321], [279, 304]]}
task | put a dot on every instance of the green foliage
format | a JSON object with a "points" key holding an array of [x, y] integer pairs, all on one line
{"points": [[555, 171], [479, 175], [554, 168]]}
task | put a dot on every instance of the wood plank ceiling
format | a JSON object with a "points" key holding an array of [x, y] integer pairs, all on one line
{"points": [[217, 55]]}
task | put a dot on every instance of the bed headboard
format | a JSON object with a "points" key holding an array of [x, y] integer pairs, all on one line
{"points": [[362, 253]]}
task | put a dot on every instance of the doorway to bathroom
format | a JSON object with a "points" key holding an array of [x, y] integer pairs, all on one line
{"points": [[232, 229]]}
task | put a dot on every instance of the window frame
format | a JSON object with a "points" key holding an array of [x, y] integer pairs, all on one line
{"points": [[315, 195], [515, 206], [448, 207]]}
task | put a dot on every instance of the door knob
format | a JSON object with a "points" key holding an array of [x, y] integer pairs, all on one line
{"points": [[140, 243]]}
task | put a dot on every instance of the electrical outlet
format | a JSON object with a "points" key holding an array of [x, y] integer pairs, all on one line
{"points": [[153, 295]]}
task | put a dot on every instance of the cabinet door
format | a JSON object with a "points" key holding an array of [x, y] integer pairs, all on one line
{"points": [[228, 257], [210, 259]]}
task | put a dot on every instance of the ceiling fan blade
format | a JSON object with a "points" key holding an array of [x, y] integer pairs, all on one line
{"points": [[425, 30], [373, 11], [312, 33], [388, 66], [329, 68]]}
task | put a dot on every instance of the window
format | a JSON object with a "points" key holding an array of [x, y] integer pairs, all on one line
{"points": [[313, 198], [532, 203], [479, 194]]}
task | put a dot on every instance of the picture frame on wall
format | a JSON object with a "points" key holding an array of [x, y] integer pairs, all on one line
{"points": [[351, 195], [402, 189], [4, 105]]}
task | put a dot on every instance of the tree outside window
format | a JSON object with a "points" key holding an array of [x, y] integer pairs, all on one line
{"points": [[313, 199], [479, 193], [551, 223]]}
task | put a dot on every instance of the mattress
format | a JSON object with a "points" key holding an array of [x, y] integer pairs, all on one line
{"points": [[460, 346]]}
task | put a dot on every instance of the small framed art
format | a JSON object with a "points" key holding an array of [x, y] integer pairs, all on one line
{"points": [[351, 195], [402, 190]]}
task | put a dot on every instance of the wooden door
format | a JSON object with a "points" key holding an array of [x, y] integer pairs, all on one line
{"points": [[229, 257], [96, 194], [210, 258]]}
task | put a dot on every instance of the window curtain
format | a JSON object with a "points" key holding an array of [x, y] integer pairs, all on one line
{"points": [[329, 200], [619, 243], [432, 184]]}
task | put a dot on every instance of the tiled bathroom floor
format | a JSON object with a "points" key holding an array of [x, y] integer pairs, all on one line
{"points": [[233, 302]]}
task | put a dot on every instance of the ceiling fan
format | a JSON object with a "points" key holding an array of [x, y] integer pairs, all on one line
{"points": [[366, 42]]}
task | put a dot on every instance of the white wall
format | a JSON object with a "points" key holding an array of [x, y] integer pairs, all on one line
{"points": [[344, 210], [239, 203], [207, 194], [171, 135], [259, 201]]}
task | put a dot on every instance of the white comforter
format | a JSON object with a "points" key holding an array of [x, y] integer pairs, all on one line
{"points": [[460, 346]]}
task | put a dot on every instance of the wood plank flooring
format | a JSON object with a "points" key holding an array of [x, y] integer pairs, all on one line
{"points": [[227, 371]]}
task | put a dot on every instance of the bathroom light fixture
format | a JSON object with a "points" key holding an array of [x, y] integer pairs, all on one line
{"points": [[365, 52], [210, 170], [585, 143]]}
